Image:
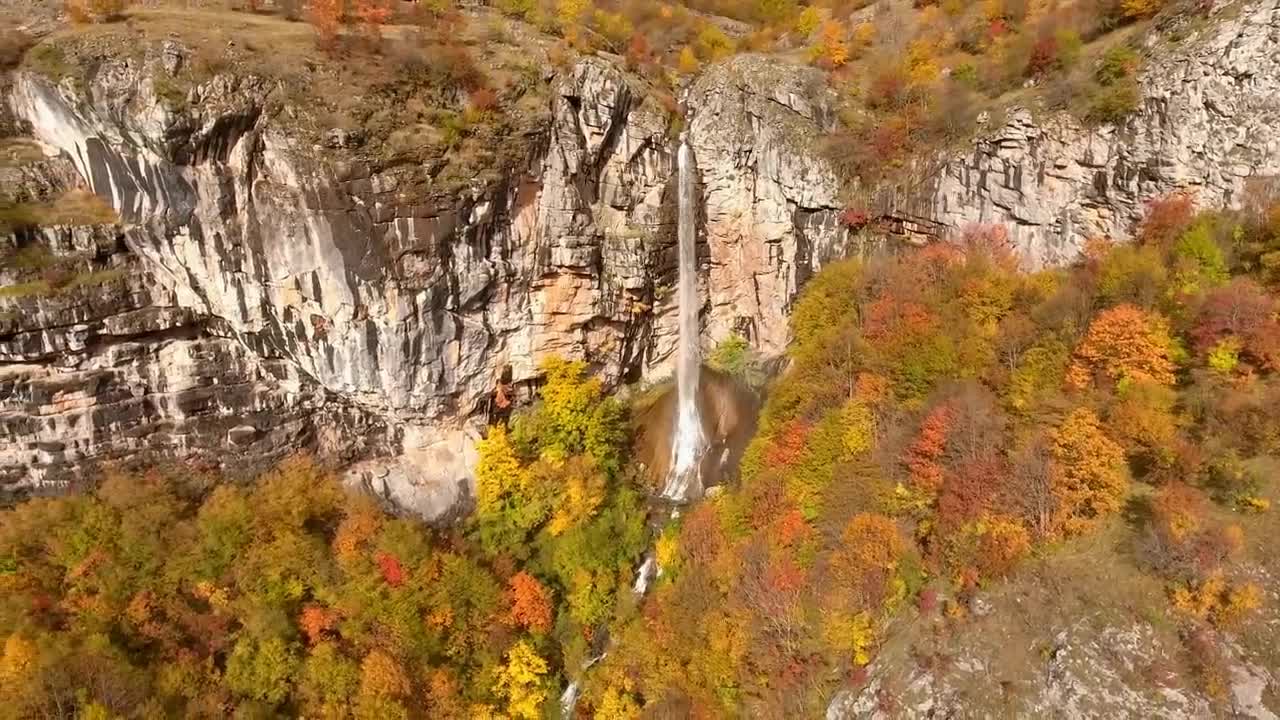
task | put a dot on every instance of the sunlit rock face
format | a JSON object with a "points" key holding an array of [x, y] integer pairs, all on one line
{"points": [[267, 291], [317, 301], [1208, 124], [770, 197]]}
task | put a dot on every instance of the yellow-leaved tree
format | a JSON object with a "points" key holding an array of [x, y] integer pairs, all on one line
{"points": [[831, 49], [1091, 476], [19, 664], [687, 63], [1135, 9], [510, 501], [522, 682]]}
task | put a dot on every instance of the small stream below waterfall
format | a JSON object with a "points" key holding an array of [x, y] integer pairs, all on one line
{"points": [[693, 435]]}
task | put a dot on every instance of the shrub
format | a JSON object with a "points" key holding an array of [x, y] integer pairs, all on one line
{"points": [[871, 550], [1053, 51], [1208, 663], [1137, 9], [734, 356], [1113, 104], [326, 17], [1166, 218], [522, 9], [713, 44], [483, 100], [1118, 63], [855, 218], [1238, 482], [105, 10], [1199, 263], [808, 21], [14, 43]]}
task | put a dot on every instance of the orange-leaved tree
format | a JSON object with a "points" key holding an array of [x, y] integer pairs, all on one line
{"points": [[868, 558], [1240, 317], [831, 49], [326, 17], [530, 603], [1166, 217], [923, 457], [372, 14], [316, 621], [1124, 342]]}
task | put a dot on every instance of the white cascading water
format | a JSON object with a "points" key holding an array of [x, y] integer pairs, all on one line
{"points": [[687, 444], [644, 574], [569, 700]]}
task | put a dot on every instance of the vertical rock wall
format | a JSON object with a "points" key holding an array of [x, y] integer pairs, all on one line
{"points": [[323, 281], [1208, 123]]}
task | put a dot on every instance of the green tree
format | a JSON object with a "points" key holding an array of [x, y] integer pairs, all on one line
{"points": [[262, 669], [734, 356]]}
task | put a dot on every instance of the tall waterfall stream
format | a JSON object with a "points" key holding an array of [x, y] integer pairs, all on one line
{"points": [[688, 444]]}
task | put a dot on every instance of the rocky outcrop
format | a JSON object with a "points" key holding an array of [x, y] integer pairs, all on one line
{"points": [[98, 362], [356, 286], [1061, 642], [1209, 122], [770, 200]]}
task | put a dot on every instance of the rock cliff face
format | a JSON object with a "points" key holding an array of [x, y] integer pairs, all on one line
{"points": [[1209, 122], [770, 202], [109, 366], [296, 294], [263, 292]]}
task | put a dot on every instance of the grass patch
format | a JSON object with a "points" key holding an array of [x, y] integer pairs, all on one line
{"points": [[169, 91], [63, 284], [35, 288], [51, 60], [75, 207], [31, 258], [15, 152], [93, 279]]}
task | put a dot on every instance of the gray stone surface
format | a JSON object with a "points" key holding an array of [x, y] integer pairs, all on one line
{"points": [[324, 285], [312, 294], [1209, 122]]}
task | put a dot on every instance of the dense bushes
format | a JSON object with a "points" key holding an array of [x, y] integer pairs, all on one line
{"points": [[291, 596], [945, 415]]}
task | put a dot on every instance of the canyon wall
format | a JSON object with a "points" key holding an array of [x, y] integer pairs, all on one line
{"points": [[1208, 123], [262, 294]]}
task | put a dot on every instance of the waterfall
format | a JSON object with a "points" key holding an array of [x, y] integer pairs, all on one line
{"points": [[569, 700], [687, 444], [647, 570]]}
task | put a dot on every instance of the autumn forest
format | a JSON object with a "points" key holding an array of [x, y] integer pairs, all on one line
{"points": [[924, 439]]}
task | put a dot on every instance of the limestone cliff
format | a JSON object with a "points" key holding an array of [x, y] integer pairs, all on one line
{"points": [[286, 287], [1208, 123], [267, 291]]}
